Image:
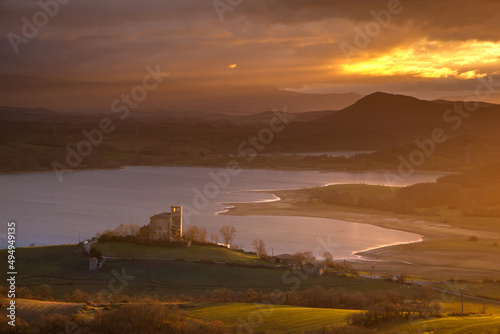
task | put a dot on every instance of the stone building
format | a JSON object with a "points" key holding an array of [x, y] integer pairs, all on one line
{"points": [[166, 225], [314, 269]]}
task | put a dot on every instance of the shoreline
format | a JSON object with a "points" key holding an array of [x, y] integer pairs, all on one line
{"points": [[361, 254], [442, 251], [284, 206], [377, 248]]}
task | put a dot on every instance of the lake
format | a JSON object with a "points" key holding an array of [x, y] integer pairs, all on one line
{"points": [[86, 202]]}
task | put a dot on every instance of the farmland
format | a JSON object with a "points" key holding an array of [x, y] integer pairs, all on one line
{"points": [[66, 269], [274, 318], [195, 252]]}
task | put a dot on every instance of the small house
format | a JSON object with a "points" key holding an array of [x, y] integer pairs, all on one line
{"points": [[313, 269]]}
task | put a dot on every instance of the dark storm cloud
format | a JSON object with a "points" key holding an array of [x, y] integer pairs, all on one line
{"points": [[462, 19], [282, 42]]}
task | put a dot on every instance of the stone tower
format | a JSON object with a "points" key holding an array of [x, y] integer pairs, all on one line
{"points": [[176, 212], [166, 225]]}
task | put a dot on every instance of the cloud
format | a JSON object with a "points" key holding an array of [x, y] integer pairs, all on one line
{"points": [[285, 43], [432, 59]]}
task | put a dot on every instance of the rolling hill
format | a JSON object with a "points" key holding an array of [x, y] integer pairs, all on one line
{"points": [[31, 139]]}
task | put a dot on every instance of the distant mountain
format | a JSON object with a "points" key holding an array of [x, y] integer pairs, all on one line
{"points": [[382, 121], [171, 95], [390, 113], [32, 138], [493, 98], [264, 117], [16, 114], [27, 114]]}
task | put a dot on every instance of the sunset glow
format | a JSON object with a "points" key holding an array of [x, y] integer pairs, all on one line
{"points": [[293, 45], [259, 166], [430, 59]]}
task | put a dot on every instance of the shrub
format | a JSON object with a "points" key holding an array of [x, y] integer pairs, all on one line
{"points": [[79, 296], [54, 323], [44, 292], [150, 316], [347, 330], [22, 327], [433, 194]]}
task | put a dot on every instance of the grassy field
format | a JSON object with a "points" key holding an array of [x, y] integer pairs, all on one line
{"points": [[483, 289], [452, 325], [448, 258], [65, 269], [452, 303], [32, 311], [274, 318], [195, 252], [287, 319], [260, 318], [455, 218]]}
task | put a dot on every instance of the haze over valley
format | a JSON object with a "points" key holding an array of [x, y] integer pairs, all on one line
{"points": [[266, 166]]}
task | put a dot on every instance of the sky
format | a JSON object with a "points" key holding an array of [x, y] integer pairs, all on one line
{"points": [[424, 48]]}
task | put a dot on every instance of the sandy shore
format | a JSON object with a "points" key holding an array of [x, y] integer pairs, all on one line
{"points": [[430, 258], [292, 203]]}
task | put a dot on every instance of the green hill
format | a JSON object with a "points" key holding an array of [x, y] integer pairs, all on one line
{"points": [[195, 252], [273, 318]]}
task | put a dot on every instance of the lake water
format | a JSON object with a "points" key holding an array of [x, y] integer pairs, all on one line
{"points": [[49, 212]]}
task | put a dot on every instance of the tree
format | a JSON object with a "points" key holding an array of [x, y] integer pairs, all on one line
{"points": [[328, 259], [260, 247], [214, 238], [79, 296], [121, 230], [192, 233], [301, 258], [44, 292], [94, 252], [203, 234], [228, 233]]}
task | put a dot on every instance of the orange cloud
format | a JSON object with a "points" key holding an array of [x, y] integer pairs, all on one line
{"points": [[430, 59]]}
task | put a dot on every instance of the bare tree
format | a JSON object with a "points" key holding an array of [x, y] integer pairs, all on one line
{"points": [[228, 233], [134, 229], [328, 259], [45, 292], [260, 247], [214, 238], [301, 258], [192, 233], [122, 230], [203, 234], [309, 257]]}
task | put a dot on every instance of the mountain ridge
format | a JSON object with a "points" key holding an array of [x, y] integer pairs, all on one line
{"points": [[171, 94]]}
